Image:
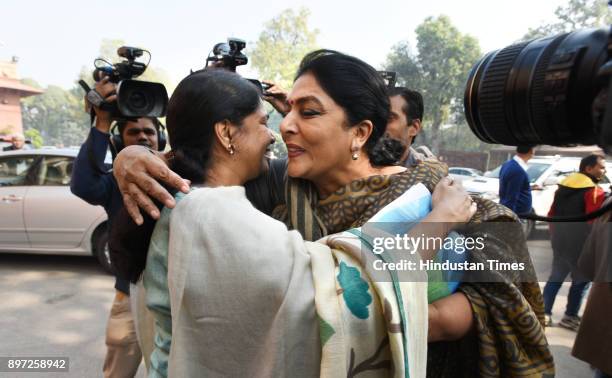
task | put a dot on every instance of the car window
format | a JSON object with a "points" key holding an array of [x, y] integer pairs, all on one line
{"points": [[55, 170], [535, 170], [17, 170]]}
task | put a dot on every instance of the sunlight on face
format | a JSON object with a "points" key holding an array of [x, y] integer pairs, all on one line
{"points": [[315, 131], [253, 142]]}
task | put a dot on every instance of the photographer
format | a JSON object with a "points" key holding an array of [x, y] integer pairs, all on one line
{"points": [[92, 184]]}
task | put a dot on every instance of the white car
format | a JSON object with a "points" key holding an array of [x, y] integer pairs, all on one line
{"points": [[39, 214], [464, 174], [544, 173]]}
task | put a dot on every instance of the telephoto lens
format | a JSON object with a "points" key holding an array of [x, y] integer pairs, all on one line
{"points": [[539, 91]]}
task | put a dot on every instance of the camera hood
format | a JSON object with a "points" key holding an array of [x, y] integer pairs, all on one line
{"points": [[141, 99]]}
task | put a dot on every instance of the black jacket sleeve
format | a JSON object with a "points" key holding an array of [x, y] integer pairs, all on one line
{"points": [[90, 179]]}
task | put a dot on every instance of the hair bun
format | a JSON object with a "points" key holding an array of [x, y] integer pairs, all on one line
{"points": [[387, 151]]}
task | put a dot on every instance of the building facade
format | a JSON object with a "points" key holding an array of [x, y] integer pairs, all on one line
{"points": [[11, 92]]}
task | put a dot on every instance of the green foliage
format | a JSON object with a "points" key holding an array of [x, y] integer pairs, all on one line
{"points": [[577, 14], [438, 70], [34, 136], [278, 148], [58, 115], [282, 45], [7, 130]]}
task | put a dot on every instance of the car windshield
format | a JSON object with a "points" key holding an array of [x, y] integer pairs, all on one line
{"points": [[535, 170]]}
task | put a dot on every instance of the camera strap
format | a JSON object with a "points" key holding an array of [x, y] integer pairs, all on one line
{"points": [[570, 218]]}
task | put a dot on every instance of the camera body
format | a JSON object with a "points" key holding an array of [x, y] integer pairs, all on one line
{"points": [[228, 54], [135, 99], [124, 70], [389, 77]]}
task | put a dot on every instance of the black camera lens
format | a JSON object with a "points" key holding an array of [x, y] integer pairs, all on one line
{"points": [[538, 92], [138, 101], [141, 99]]}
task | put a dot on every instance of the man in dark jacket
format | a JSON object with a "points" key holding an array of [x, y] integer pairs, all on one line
{"points": [[577, 194], [92, 182]]}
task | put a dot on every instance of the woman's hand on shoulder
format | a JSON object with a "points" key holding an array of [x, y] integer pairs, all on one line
{"points": [[451, 202], [136, 169]]}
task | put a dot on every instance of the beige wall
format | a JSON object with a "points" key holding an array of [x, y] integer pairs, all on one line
{"points": [[10, 112]]}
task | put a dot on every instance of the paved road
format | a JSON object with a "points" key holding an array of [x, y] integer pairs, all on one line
{"points": [[560, 340], [58, 306], [54, 306]]}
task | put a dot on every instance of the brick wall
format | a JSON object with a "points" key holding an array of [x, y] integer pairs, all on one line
{"points": [[476, 160]]}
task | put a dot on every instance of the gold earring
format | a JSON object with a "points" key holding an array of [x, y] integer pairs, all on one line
{"points": [[230, 149], [355, 156]]}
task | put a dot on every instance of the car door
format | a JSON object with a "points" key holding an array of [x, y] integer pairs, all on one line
{"points": [[54, 217], [15, 177]]}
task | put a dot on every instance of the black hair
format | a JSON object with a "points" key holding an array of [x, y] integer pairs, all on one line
{"points": [[414, 107], [360, 90], [589, 161], [200, 101], [525, 148]]}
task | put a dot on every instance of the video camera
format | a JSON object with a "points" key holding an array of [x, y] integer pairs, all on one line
{"points": [[228, 55], [135, 99], [553, 90], [389, 77]]}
